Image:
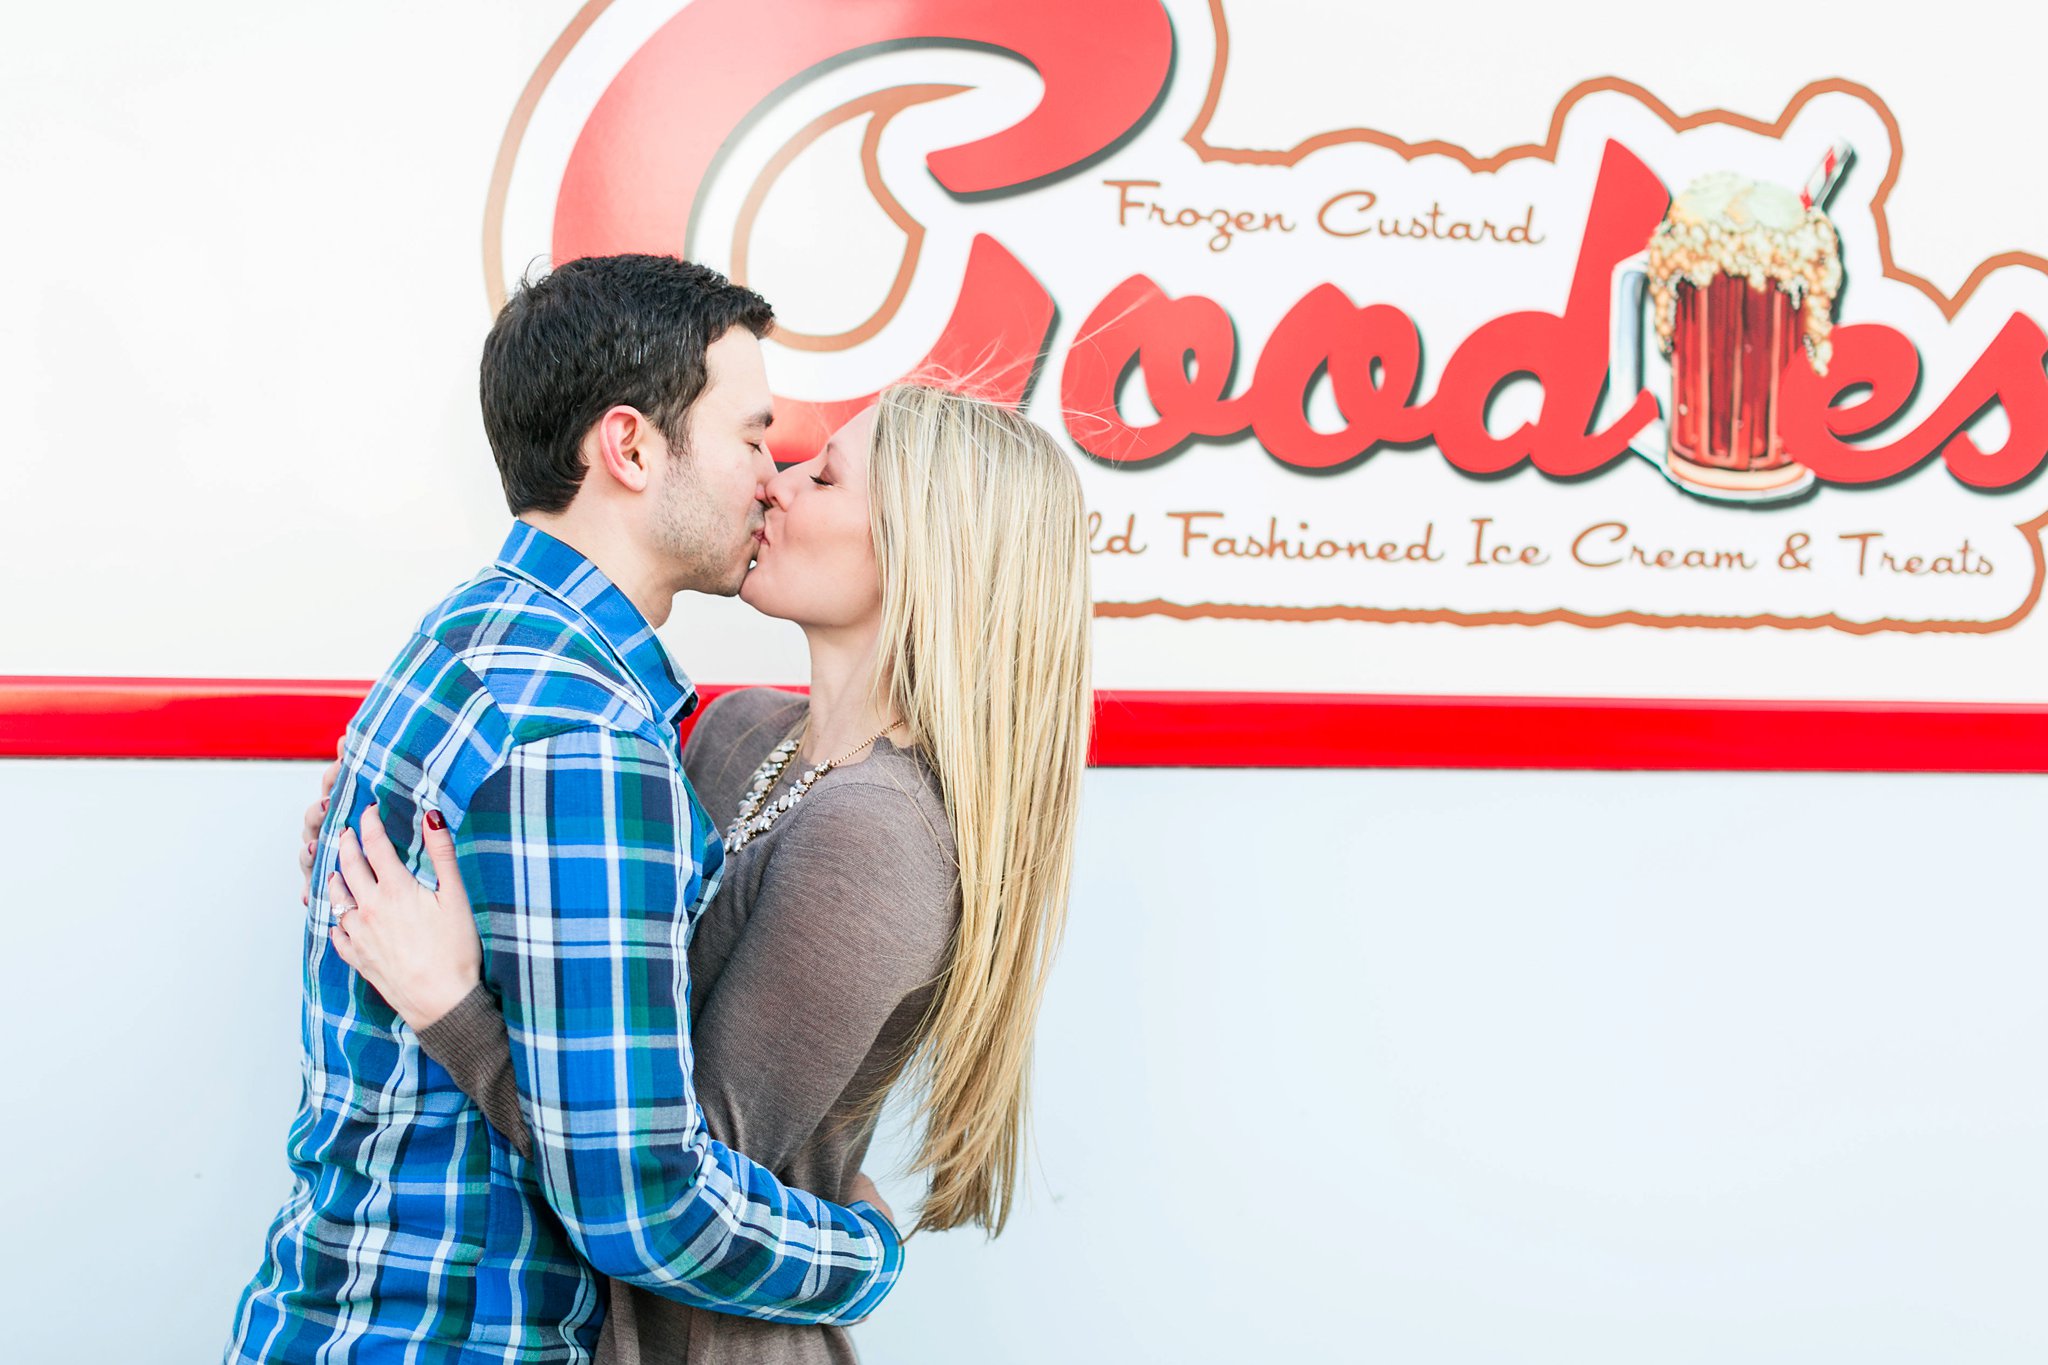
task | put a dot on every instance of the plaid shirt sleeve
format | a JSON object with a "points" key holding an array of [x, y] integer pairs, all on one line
{"points": [[570, 853]]}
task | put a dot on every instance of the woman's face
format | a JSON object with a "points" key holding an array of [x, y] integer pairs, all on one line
{"points": [[815, 560]]}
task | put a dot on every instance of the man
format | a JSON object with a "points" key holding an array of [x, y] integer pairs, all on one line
{"points": [[534, 710]]}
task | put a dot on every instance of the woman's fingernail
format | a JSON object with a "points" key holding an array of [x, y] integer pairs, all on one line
{"points": [[434, 820], [312, 848], [323, 802]]}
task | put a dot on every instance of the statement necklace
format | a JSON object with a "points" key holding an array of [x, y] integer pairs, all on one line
{"points": [[753, 820]]}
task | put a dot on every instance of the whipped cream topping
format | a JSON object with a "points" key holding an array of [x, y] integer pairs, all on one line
{"points": [[1728, 224]]}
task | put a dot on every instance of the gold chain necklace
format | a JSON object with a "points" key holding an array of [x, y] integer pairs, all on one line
{"points": [[753, 821]]}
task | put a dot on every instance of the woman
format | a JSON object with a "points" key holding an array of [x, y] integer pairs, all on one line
{"points": [[899, 843]]}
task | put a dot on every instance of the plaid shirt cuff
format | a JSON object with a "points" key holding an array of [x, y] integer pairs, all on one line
{"points": [[892, 1263]]}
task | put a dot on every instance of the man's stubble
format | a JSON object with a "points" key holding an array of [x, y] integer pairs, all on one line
{"points": [[710, 550]]}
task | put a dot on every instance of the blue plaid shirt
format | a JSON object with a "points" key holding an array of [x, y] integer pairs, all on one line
{"points": [[536, 710]]}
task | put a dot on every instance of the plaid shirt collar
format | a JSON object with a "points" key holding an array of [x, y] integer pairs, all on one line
{"points": [[532, 554]]}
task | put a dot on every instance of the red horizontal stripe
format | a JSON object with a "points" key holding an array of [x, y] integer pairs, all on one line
{"points": [[298, 719]]}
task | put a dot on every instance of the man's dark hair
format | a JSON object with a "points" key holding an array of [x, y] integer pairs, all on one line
{"points": [[593, 334]]}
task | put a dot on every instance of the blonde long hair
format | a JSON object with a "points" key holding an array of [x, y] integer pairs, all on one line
{"points": [[981, 537]]}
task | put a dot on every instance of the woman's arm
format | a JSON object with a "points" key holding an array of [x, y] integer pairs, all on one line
{"points": [[421, 953], [852, 918], [316, 815], [469, 1040], [471, 1044], [854, 915]]}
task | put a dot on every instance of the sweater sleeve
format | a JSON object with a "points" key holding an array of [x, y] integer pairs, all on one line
{"points": [[470, 1043]]}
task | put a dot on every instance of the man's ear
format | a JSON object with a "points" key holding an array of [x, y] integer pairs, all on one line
{"points": [[623, 445]]}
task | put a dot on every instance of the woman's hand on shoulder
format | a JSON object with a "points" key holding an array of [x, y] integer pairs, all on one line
{"points": [[418, 946], [316, 815], [863, 1191]]}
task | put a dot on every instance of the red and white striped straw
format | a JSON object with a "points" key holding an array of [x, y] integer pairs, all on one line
{"points": [[1827, 175]]}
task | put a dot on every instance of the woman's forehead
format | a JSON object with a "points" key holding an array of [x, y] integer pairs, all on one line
{"points": [[852, 438]]}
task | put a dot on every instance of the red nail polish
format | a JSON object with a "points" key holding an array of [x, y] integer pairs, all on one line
{"points": [[434, 820]]}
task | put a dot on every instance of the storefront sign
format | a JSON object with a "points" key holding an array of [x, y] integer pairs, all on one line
{"points": [[1648, 373]]}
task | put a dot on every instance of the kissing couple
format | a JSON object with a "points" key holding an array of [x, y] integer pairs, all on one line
{"points": [[598, 1024]]}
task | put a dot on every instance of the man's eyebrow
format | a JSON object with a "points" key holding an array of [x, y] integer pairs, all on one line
{"points": [[764, 418]]}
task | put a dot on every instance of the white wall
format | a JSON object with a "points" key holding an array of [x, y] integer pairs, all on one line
{"points": [[1420, 1067]]}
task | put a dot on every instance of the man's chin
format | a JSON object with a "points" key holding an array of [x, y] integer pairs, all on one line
{"points": [[728, 586], [738, 580]]}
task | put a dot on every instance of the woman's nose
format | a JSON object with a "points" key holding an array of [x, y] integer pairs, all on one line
{"points": [[775, 492]]}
